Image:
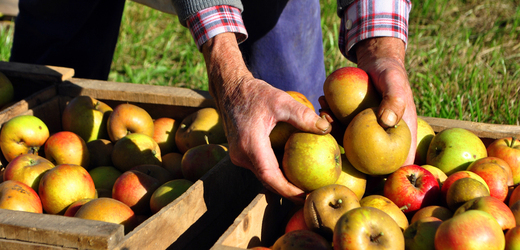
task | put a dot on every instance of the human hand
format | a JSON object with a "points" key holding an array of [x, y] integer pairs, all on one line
{"points": [[250, 109], [383, 60]]}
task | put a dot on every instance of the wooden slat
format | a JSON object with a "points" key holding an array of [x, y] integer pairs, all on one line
{"points": [[24, 105], [482, 130], [36, 72], [57, 230], [138, 93]]}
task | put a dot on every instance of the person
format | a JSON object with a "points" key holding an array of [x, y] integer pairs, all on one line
{"points": [[254, 51]]}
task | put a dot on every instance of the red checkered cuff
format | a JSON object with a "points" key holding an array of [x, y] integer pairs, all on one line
{"points": [[212, 21], [366, 19]]}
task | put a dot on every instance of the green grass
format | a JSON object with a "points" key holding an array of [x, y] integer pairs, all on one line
{"points": [[463, 56]]}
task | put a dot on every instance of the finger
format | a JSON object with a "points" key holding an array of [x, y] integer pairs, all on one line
{"points": [[305, 119]]}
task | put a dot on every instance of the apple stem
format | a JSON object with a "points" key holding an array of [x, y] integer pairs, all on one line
{"points": [[376, 238], [405, 207], [337, 204]]}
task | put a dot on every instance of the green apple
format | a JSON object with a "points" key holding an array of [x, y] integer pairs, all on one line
{"points": [[420, 235], [104, 178], [453, 149], [200, 127], [135, 149], [6, 90], [167, 193], [21, 135], [311, 161], [372, 149], [87, 117], [425, 134]]}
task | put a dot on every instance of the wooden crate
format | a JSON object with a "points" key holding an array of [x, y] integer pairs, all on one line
{"points": [[193, 221], [263, 220]]}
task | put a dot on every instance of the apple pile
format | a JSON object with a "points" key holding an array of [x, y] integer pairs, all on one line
{"points": [[459, 194], [113, 164]]}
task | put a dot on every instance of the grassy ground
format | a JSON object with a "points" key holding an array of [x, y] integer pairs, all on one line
{"points": [[463, 58]]}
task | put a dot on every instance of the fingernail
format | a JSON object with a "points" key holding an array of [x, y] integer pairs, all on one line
{"points": [[322, 124], [389, 118]]}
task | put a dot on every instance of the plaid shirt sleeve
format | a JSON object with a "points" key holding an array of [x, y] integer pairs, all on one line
{"points": [[212, 21], [367, 18]]}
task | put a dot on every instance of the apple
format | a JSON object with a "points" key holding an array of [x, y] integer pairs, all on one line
{"points": [[420, 235], [464, 190], [134, 188], [173, 163], [104, 178], [388, 206], [473, 229], [515, 196], [495, 177], [503, 164], [296, 221], [348, 91], [458, 175], [6, 90], [168, 192], [66, 147], [86, 117], [497, 208], [441, 212], [64, 184], [108, 210], [311, 161], [75, 206], [367, 228], [372, 149], [425, 134], [192, 165], [352, 178], [323, 207], [515, 209], [135, 149], [507, 149], [283, 130], [15, 195], [301, 239], [453, 149], [22, 134], [156, 171], [27, 168], [512, 238], [100, 151], [127, 118], [439, 174], [200, 127], [164, 134], [412, 187]]}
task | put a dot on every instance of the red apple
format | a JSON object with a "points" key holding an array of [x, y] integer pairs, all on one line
{"points": [[86, 117], [135, 149], [75, 206], [515, 196], [134, 188], [507, 149], [367, 228], [173, 163], [503, 164], [296, 222], [64, 184], [164, 134], [495, 177], [458, 175], [22, 135], [108, 210], [129, 118], [412, 188], [513, 238], [473, 229], [498, 209], [420, 235], [66, 147], [27, 168], [198, 160], [348, 91], [15, 195]]}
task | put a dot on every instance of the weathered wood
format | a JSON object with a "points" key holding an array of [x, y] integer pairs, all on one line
{"points": [[25, 104], [57, 230], [482, 130], [36, 72]]}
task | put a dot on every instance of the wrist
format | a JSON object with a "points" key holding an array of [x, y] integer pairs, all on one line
{"points": [[380, 48]]}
